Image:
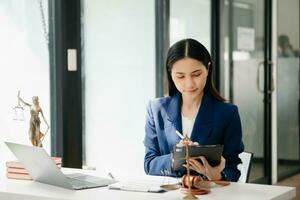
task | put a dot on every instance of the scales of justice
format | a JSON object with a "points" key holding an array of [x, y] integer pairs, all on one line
{"points": [[202, 186], [186, 141], [36, 136]]}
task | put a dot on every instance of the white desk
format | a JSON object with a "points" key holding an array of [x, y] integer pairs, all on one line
{"points": [[23, 190]]}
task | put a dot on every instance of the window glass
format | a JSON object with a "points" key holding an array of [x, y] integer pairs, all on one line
{"points": [[119, 80], [24, 62]]}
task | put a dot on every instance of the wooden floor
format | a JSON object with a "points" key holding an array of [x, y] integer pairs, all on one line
{"points": [[293, 181]]}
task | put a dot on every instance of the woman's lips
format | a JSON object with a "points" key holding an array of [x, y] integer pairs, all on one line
{"points": [[192, 90]]}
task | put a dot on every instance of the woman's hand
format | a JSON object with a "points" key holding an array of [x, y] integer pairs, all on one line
{"points": [[212, 173], [190, 143]]}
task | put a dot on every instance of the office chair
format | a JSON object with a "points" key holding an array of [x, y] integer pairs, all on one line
{"points": [[245, 166]]}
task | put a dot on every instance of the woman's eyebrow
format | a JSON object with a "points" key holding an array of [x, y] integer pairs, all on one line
{"points": [[198, 70]]}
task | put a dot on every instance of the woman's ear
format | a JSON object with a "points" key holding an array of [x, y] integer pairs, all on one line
{"points": [[208, 67]]}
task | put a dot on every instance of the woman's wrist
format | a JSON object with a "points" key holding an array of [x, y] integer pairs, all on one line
{"points": [[218, 177]]}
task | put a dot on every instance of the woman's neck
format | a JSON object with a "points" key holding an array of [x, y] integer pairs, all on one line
{"points": [[190, 106]]}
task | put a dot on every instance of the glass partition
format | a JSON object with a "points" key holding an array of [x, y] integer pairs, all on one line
{"points": [[288, 87], [242, 72], [24, 62]]}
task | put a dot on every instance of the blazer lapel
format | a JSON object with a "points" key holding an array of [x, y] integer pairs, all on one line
{"points": [[174, 112], [203, 123], [173, 122], [202, 126]]}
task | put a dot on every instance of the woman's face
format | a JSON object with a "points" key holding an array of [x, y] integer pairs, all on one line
{"points": [[189, 76]]}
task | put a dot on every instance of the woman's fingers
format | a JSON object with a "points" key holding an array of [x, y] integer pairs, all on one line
{"points": [[195, 143], [191, 167], [204, 161], [191, 143], [197, 165], [181, 143], [221, 166], [223, 161], [212, 173]]}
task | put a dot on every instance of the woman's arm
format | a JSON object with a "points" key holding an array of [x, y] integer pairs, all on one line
{"points": [[154, 162], [233, 146]]}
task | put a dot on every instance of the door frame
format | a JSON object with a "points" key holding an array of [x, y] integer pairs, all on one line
{"points": [[268, 90], [274, 165]]}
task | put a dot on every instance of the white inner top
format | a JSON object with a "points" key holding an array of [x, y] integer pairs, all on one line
{"points": [[188, 124]]}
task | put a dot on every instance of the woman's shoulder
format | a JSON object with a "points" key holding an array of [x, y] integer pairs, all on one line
{"points": [[222, 106], [226, 105], [159, 102]]}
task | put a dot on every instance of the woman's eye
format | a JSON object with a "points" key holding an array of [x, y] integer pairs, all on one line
{"points": [[196, 75], [180, 77]]}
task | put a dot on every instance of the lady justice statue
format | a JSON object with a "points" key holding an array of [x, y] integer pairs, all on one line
{"points": [[35, 135]]}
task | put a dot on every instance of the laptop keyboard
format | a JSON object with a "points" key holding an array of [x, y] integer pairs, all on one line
{"points": [[82, 184], [82, 181]]}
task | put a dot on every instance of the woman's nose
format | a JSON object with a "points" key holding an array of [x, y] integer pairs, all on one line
{"points": [[189, 83]]}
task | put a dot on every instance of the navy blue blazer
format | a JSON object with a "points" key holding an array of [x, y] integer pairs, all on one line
{"points": [[216, 123]]}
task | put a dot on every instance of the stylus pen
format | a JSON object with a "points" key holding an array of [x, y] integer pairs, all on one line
{"points": [[179, 134]]}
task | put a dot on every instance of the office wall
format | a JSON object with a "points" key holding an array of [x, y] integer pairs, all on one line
{"points": [[119, 80], [24, 66]]}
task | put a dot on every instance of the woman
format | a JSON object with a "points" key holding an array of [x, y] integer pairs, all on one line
{"points": [[35, 134], [193, 107]]}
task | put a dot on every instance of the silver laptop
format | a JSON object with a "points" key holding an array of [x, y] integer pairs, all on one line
{"points": [[43, 169]]}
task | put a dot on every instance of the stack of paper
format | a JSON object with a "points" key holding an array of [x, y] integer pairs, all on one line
{"points": [[149, 184]]}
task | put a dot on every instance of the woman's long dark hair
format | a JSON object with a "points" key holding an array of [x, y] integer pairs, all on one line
{"points": [[192, 49]]}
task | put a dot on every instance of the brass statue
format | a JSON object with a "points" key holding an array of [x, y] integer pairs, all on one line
{"points": [[35, 135]]}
